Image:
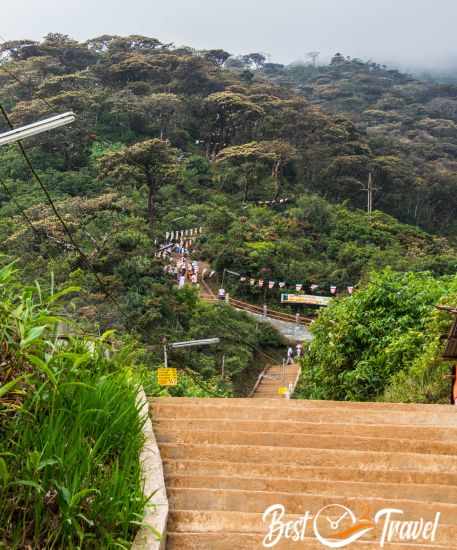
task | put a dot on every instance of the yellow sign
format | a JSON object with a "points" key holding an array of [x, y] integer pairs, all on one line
{"points": [[309, 299], [167, 377], [283, 390]]}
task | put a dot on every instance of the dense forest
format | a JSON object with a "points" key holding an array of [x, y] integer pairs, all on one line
{"points": [[271, 163], [172, 138], [410, 136]]}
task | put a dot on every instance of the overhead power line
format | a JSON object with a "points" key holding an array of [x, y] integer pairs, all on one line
{"points": [[65, 228], [76, 246], [18, 206]]}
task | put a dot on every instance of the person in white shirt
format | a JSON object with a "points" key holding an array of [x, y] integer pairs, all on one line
{"points": [[298, 350], [290, 355]]}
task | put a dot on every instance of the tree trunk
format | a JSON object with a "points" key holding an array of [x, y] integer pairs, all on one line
{"points": [[246, 188], [151, 205], [277, 177]]}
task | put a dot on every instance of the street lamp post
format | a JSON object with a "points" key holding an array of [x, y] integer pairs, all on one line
{"points": [[17, 134], [186, 344]]}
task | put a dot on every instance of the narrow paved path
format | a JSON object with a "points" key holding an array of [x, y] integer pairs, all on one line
{"points": [[284, 323]]}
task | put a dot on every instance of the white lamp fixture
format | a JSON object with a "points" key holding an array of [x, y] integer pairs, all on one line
{"points": [[193, 343], [37, 128]]}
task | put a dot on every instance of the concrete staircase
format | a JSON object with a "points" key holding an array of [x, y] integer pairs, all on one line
{"points": [[277, 377], [227, 460]]}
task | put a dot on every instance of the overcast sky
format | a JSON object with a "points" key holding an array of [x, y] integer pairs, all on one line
{"points": [[410, 32]]}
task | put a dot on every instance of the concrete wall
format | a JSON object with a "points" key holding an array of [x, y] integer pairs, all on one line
{"points": [[156, 514]]}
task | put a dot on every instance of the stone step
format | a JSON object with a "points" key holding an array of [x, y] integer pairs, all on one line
{"points": [[276, 383], [297, 503], [429, 493], [167, 434], [423, 433], [283, 381], [224, 410], [367, 460], [313, 404], [274, 387], [310, 473], [208, 521], [244, 541], [227, 460], [277, 375], [269, 395]]}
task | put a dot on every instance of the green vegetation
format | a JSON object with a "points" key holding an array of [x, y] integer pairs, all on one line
{"points": [[382, 343], [168, 139], [409, 134], [71, 431], [313, 241]]}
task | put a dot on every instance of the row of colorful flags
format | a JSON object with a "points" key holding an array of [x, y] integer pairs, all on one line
{"points": [[180, 234], [275, 201], [261, 283]]}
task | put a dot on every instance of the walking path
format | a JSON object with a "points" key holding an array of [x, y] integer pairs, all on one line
{"points": [[293, 329], [275, 380], [226, 461]]}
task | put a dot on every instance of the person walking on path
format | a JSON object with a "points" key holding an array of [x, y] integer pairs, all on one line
{"points": [[290, 356], [182, 281], [298, 350]]}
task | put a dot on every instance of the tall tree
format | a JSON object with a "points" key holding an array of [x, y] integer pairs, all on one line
{"points": [[218, 57], [276, 154], [152, 162], [230, 117]]}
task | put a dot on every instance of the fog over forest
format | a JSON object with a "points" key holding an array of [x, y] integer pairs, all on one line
{"points": [[411, 34]]}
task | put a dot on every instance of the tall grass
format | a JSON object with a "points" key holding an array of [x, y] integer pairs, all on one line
{"points": [[73, 468], [70, 475]]}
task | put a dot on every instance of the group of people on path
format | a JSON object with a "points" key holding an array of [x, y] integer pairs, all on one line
{"points": [[188, 272]]}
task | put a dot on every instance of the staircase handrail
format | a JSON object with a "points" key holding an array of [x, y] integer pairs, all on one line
{"points": [[259, 380]]}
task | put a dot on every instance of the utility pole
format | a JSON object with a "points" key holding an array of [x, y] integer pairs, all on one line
{"points": [[370, 189], [314, 57]]}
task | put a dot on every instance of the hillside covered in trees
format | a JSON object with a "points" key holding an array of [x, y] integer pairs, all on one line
{"points": [[271, 164], [410, 132], [169, 138]]}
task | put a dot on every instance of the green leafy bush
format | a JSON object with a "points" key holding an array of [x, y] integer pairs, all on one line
{"points": [[383, 342]]}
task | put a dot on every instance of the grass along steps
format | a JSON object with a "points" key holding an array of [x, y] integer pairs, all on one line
{"points": [[226, 461]]}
